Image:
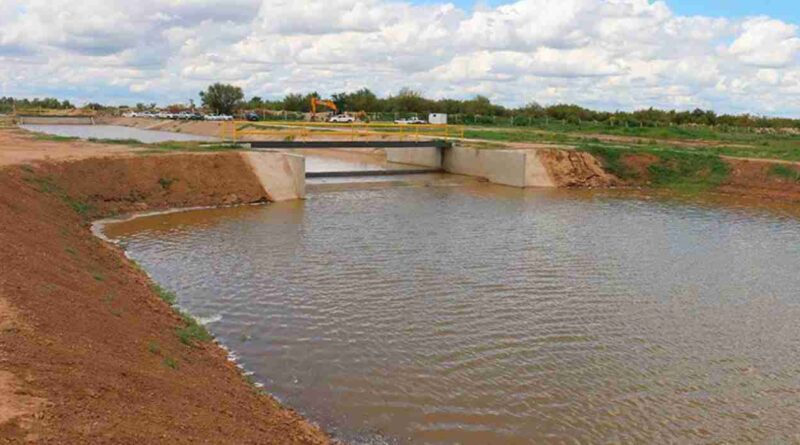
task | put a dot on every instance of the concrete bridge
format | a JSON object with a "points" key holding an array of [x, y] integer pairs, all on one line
{"points": [[513, 167]]}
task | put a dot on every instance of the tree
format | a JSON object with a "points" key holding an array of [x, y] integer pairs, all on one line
{"points": [[222, 98]]}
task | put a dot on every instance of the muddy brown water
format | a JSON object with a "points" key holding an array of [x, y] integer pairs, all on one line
{"points": [[489, 315]]}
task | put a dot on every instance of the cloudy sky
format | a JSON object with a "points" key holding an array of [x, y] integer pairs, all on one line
{"points": [[730, 55]]}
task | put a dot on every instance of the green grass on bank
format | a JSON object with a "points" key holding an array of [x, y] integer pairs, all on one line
{"points": [[151, 148], [700, 140], [47, 185], [115, 141], [163, 147], [191, 331], [689, 171], [786, 172], [160, 147], [54, 138]]}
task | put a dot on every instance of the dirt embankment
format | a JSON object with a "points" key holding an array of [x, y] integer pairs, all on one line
{"points": [[570, 168], [202, 128], [18, 146], [760, 178], [88, 351]]}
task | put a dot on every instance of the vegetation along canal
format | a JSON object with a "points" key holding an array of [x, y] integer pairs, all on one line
{"points": [[488, 315]]}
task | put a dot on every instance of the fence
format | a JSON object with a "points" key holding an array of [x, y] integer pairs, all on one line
{"points": [[289, 131]]}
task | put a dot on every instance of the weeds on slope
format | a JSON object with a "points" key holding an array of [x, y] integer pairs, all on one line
{"points": [[785, 172], [54, 138], [47, 185], [191, 331], [671, 168]]}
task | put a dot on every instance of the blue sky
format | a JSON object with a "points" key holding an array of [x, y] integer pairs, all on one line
{"points": [[786, 10]]}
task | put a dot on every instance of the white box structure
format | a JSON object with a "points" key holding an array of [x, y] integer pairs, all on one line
{"points": [[437, 118]]}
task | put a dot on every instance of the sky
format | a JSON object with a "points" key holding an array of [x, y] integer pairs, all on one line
{"points": [[731, 56]]}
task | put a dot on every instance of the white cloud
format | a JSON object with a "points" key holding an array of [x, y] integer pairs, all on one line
{"points": [[601, 53], [767, 43]]}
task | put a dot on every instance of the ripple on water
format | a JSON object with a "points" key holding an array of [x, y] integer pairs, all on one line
{"points": [[483, 315]]}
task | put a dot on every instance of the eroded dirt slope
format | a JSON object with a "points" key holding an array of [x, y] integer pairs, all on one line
{"points": [[88, 352]]}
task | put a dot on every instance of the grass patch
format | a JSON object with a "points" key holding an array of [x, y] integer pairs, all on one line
{"points": [[688, 171], [116, 141], [170, 362], [165, 183], [674, 168], [191, 147], [193, 331], [785, 172], [54, 137], [98, 276], [154, 348], [71, 251], [46, 184], [80, 207], [109, 300], [611, 158], [169, 297]]}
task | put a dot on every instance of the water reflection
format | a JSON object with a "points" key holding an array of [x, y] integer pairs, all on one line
{"points": [[484, 314], [115, 132]]}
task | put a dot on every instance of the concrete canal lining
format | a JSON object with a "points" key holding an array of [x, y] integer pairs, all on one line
{"points": [[517, 168], [424, 156], [282, 175]]}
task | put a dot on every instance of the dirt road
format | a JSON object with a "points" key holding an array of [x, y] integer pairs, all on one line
{"points": [[18, 146]]}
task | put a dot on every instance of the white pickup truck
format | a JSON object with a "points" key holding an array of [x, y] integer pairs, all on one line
{"points": [[342, 119], [411, 121]]}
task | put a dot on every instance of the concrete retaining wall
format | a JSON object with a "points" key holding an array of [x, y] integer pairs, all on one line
{"points": [[423, 156], [282, 175], [517, 168]]}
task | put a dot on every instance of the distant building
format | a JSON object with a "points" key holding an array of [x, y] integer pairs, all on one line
{"points": [[437, 118]]}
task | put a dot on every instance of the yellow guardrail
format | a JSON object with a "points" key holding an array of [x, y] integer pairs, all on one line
{"points": [[236, 130]]}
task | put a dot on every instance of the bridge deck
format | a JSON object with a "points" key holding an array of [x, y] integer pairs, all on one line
{"points": [[341, 144]]}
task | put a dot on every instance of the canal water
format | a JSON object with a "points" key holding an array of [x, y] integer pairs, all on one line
{"points": [[488, 315], [335, 161], [115, 132]]}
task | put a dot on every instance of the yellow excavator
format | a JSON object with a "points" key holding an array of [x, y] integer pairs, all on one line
{"points": [[325, 103]]}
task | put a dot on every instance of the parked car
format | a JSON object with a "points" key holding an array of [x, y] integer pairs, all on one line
{"points": [[219, 117], [410, 121], [252, 117], [342, 119]]}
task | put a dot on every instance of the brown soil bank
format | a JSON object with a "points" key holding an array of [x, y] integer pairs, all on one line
{"points": [[570, 168], [88, 352], [764, 179], [18, 146]]}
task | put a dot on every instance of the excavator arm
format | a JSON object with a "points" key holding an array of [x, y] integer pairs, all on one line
{"points": [[326, 103]]}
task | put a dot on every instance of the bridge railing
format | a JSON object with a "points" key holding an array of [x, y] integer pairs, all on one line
{"points": [[291, 131]]}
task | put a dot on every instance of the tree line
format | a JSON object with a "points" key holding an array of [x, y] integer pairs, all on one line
{"points": [[9, 104], [229, 99], [409, 101]]}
